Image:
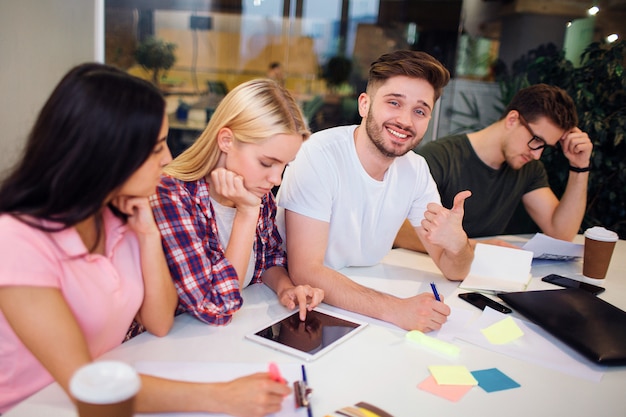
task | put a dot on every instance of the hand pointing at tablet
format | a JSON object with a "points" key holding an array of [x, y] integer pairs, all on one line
{"points": [[305, 297]]}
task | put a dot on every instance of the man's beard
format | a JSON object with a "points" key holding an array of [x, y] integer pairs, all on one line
{"points": [[376, 136]]}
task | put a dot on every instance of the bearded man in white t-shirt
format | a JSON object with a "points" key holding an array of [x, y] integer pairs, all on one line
{"points": [[345, 196]]}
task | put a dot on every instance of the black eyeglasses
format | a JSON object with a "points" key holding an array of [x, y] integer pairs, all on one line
{"points": [[535, 143]]}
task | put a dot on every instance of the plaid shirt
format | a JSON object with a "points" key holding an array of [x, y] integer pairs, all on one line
{"points": [[207, 284]]}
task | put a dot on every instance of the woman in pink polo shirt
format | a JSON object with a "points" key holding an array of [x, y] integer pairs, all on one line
{"points": [[81, 254]]}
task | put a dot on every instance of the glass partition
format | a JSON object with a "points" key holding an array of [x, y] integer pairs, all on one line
{"points": [[324, 48]]}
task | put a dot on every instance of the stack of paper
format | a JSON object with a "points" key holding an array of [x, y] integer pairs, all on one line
{"points": [[546, 247]]}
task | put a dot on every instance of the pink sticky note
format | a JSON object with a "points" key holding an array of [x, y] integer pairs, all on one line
{"points": [[449, 392]]}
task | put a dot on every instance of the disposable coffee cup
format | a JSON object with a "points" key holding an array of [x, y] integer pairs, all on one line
{"points": [[105, 389], [599, 245]]}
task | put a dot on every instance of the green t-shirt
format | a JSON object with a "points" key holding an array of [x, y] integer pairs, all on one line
{"points": [[496, 193]]}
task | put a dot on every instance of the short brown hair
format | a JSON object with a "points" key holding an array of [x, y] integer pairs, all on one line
{"points": [[414, 64], [543, 100]]}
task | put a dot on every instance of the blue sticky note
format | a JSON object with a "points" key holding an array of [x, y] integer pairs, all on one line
{"points": [[494, 380]]}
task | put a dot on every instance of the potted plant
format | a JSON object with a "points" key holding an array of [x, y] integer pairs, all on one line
{"points": [[336, 72], [155, 56]]}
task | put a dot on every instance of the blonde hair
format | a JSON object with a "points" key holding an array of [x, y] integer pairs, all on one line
{"points": [[255, 110]]}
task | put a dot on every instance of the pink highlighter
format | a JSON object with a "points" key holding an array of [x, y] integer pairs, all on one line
{"points": [[275, 373]]}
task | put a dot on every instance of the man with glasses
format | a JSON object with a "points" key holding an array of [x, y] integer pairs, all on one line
{"points": [[500, 166]]}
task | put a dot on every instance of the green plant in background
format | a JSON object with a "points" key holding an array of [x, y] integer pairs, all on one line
{"points": [[598, 87], [336, 72], [475, 57], [155, 56], [471, 117]]}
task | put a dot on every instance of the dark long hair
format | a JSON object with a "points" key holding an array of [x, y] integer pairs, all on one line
{"points": [[97, 128]]}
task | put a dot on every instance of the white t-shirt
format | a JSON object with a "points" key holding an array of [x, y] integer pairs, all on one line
{"points": [[327, 182], [225, 217]]}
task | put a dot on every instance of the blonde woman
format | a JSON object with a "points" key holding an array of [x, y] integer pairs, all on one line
{"points": [[215, 208]]}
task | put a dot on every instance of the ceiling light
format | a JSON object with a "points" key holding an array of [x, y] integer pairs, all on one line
{"points": [[593, 11]]}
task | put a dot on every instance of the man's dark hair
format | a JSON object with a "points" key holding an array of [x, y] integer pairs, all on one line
{"points": [[543, 100], [414, 64]]}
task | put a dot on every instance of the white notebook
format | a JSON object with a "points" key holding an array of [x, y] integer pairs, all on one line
{"points": [[498, 269]]}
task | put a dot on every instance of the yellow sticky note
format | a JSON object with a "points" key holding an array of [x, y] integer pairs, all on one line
{"points": [[366, 413], [430, 342], [355, 411], [452, 375], [503, 332]]}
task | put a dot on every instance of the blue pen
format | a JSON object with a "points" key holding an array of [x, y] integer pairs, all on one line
{"points": [[307, 392], [434, 288], [304, 374]]}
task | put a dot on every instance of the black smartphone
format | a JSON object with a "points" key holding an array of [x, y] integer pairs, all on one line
{"points": [[481, 301], [572, 283]]}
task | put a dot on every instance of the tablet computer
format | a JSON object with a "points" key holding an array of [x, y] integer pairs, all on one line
{"points": [[320, 332]]}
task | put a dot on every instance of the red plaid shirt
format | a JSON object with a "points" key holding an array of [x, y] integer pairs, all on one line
{"points": [[207, 284]]}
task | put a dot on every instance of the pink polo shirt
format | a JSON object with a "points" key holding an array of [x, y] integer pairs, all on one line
{"points": [[103, 292]]}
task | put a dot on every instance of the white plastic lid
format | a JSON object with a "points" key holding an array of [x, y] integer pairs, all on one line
{"points": [[601, 234], [105, 382]]}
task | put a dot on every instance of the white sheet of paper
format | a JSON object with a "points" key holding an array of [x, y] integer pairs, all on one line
{"points": [[498, 269], [536, 346], [546, 247], [457, 322], [214, 372]]}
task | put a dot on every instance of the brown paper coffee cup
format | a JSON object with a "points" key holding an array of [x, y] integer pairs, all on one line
{"points": [[121, 409], [599, 245], [104, 389]]}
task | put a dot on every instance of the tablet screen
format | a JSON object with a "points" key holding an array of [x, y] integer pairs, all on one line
{"points": [[318, 333]]}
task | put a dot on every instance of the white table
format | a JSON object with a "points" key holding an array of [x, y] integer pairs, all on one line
{"points": [[378, 365]]}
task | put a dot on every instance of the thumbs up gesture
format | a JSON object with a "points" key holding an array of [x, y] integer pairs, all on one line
{"points": [[443, 227]]}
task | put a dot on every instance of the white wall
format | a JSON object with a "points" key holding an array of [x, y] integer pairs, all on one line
{"points": [[578, 36], [522, 32], [40, 40]]}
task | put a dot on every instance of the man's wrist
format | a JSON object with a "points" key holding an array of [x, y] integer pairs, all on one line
{"points": [[577, 169]]}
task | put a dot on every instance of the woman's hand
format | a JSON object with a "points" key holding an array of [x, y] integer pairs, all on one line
{"points": [[303, 296], [230, 186], [140, 218], [255, 395]]}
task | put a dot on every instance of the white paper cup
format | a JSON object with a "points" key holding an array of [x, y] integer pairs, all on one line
{"points": [[105, 388]]}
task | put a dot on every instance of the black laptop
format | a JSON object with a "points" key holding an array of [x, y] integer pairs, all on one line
{"points": [[581, 320]]}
